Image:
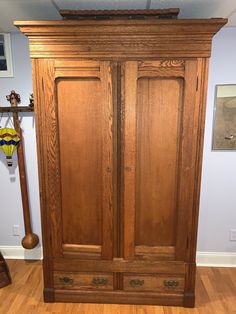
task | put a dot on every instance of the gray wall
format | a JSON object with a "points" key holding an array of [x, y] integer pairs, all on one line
{"points": [[218, 190], [10, 197], [218, 197]]}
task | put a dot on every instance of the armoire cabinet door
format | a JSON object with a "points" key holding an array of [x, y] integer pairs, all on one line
{"points": [[75, 108], [160, 141]]}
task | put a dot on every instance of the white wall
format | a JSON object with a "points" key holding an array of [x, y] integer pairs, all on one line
{"points": [[218, 190], [10, 197], [218, 197]]}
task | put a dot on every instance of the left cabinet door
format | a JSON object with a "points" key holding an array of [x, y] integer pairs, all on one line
{"points": [[75, 148]]}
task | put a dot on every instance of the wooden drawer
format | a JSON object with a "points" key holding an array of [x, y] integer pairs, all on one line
{"points": [[83, 281], [155, 282]]}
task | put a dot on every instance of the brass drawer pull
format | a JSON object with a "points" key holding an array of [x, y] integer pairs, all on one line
{"points": [[66, 280], [170, 283], [99, 281], [136, 282]]}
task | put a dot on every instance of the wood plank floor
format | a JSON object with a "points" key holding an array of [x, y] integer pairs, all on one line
{"points": [[215, 293]]}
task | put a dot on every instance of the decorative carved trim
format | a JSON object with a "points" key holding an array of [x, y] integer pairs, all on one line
{"points": [[114, 14], [171, 63], [163, 68], [165, 63]]}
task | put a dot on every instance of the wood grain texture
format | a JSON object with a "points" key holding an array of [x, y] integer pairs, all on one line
{"points": [[79, 119], [107, 160], [130, 107], [87, 196], [203, 65], [39, 106], [83, 281], [201, 102], [156, 282], [215, 289], [51, 154], [126, 39], [82, 248], [123, 196], [162, 68], [158, 108], [158, 253], [187, 163], [120, 265]]}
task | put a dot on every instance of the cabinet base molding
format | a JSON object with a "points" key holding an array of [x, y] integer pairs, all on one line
{"points": [[112, 297], [120, 266], [48, 295], [189, 300]]}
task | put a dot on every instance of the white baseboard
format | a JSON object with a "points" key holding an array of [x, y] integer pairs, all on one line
{"points": [[216, 259], [18, 252], [210, 259]]}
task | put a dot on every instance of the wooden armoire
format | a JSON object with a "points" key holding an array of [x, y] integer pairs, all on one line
{"points": [[120, 102]]}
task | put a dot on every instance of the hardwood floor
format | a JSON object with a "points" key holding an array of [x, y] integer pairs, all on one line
{"points": [[215, 293]]}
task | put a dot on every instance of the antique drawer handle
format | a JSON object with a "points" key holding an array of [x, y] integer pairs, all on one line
{"points": [[136, 282], [99, 281], [170, 283], [66, 280]]}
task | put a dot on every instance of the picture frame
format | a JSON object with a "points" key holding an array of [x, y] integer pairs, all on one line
{"points": [[224, 122], [6, 67]]}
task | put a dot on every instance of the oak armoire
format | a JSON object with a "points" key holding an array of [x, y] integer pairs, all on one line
{"points": [[120, 102]]}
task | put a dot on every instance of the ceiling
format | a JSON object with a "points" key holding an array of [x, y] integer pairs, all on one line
{"points": [[11, 10]]}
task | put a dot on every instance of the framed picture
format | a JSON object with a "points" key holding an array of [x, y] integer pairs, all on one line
{"points": [[224, 126], [6, 69]]}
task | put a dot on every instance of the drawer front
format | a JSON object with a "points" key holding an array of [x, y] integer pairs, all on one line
{"points": [[83, 281], [156, 283]]}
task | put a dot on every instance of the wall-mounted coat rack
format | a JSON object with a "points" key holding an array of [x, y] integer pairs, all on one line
{"points": [[30, 239], [16, 109]]}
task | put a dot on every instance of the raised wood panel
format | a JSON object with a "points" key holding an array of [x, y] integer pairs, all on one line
{"points": [[85, 130], [159, 169], [159, 108], [78, 167], [80, 134], [82, 248]]}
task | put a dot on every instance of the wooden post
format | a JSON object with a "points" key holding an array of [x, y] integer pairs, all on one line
{"points": [[30, 239]]}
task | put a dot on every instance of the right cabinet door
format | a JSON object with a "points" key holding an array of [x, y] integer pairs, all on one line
{"points": [[160, 140]]}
